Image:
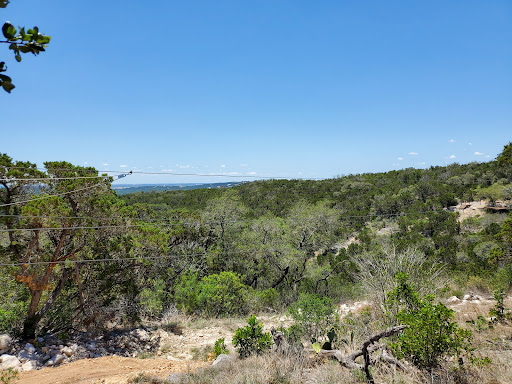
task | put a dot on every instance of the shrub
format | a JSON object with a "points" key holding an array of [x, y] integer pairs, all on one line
{"points": [[221, 294], [432, 334], [220, 348], [151, 299], [251, 339], [315, 315], [499, 312]]}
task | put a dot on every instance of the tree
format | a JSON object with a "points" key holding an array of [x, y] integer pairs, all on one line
{"points": [[505, 157], [50, 218], [21, 41], [431, 332]]}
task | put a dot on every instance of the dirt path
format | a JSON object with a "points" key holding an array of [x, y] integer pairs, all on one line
{"points": [[107, 370]]}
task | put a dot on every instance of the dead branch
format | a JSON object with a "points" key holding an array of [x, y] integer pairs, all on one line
{"points": [[349, 361]]}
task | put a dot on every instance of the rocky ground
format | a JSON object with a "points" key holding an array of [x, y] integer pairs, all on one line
{"points": [[159, 351]]}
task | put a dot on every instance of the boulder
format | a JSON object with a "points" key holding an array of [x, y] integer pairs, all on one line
{"points": [[29, 365], [9, 361], [222, 361], [5, 343], [30, 348]]}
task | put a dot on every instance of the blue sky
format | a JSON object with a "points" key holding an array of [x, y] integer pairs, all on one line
{"points": [[308, 89]]}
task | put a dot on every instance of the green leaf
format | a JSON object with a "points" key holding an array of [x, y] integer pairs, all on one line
{"points": [[7, 86], [8, 30], [317, 347], [42, 39]]}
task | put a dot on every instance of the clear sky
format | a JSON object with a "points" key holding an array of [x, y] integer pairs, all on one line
{"points": [[292, 88]]}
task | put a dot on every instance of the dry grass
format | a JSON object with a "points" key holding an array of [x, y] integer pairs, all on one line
{"points": [[494, 342]]}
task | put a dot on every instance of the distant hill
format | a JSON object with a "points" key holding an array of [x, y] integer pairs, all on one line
{"points": [[124, 189]]}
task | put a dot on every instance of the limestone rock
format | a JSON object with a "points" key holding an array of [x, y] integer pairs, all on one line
{"points": [[222, 361], [453, 300], [29, 365], [55, 360], [9, 361], [67, 351], [5, 343]]}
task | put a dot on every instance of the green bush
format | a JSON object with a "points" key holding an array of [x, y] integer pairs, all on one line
{"points": [[499, 312], [251, 339], [431, 334], [216, 295], [315, 315], [151, 299], [13, 304], [220, 348]]}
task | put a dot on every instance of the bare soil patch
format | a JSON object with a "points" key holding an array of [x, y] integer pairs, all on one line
{"points": [[108, 370]]}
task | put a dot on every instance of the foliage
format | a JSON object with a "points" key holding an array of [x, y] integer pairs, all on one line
{"points": [[152, 299], [505, 157], [315, 315], [220, 348], [431, 334], [251, 339], [215, 295], [499, 312], [30, 41]]}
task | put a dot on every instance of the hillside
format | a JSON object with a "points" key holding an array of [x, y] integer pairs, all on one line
{"points": [[82, 263]]}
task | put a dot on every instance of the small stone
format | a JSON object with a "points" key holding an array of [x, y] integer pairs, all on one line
{"points": [[30, 348], [55, 360], [44, 349], [67, 351]]}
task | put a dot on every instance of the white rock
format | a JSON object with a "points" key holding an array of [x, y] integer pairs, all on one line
{"points": [[222, 360], [55, 360], [29, 365], [5, 342], [453, 300], [67, 351], [30, 348], [9, 361], [141, 334]]}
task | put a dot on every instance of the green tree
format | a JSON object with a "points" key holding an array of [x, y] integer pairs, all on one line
{"points": [[432, 334], [50, 219], [505, 157], [30, 41]]}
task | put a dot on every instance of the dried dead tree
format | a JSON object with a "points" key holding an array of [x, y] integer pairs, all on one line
{"points": [[349, 361]]}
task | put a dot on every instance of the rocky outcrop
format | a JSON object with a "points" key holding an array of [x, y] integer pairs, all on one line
{"points": [[52, 351]]}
